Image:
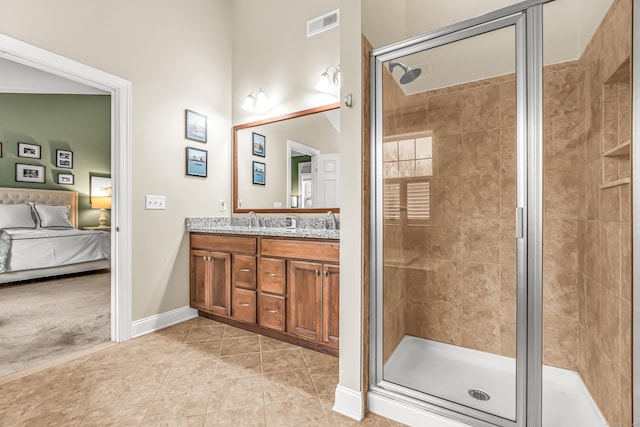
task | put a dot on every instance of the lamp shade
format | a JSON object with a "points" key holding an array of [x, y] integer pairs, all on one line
{"points": [[101, 202], [323, 83]]}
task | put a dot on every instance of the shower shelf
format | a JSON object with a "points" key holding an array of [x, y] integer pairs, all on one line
{"points": [[619, 150], [622, 181]]}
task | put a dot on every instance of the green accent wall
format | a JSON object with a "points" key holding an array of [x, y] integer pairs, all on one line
{"points": [[79, 123], [294, 173]]}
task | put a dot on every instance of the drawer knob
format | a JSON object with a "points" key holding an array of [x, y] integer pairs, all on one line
{"points": [[243, 304], [271, 311], [245, 270], [272, 274]]}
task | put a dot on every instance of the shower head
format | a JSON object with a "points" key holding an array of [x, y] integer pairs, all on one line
{"points": [[409, 73]]}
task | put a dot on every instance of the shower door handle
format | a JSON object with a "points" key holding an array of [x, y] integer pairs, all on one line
{"points": [[519, 223]]}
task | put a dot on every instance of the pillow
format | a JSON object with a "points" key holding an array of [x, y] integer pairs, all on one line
{"points": [[53, 216], [16, 216]]}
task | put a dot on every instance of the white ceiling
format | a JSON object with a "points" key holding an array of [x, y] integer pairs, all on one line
{"points": [[18, 78]]}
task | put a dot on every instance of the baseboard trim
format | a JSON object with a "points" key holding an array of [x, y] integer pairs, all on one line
{"points": [[407, 414], [348, 402], [162, 320]]}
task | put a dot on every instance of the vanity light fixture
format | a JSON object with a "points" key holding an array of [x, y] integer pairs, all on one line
{"points": [[325, 81], [259, 101]]}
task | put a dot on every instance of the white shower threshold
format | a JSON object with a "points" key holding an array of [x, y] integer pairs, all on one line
{"points": [[449, 372]]}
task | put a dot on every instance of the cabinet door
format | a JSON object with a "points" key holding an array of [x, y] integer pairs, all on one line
{"points": [[331, 304], [305, 299], [200, 276], [220, 283], [243, 271]]}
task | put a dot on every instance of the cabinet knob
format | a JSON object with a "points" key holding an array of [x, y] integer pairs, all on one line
{"points": [[245, 270], [271, 311], [244, 304], [317, 272], [326, 273], [271, 274]]}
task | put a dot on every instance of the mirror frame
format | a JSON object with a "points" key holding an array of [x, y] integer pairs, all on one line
{"points": [[236, 128]]}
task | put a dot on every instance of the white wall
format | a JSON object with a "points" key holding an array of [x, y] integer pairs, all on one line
{"points": [[351, 198], [271, 51], [177, 55], [313, 130]]}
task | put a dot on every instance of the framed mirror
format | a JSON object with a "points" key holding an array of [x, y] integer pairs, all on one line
{"points": [[289, 163]]}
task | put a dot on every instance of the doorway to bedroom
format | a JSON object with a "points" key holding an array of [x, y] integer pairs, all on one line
{"points": [[100, 289]]}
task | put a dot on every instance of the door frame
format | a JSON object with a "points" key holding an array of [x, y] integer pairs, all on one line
{"points": [[310, 151], [120, 90], [527, 19]]}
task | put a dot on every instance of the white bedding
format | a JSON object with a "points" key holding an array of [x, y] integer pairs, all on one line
{"points": [[43, 248]]}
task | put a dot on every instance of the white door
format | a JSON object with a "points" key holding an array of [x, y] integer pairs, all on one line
{"points": [[328, 195]]}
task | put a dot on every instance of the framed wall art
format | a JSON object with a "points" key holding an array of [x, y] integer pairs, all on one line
{"points": [[195, 126], [66, 179], [30, 173], [29, 151], [258, 144], [259, 170], [196, 162], [64, 159]]}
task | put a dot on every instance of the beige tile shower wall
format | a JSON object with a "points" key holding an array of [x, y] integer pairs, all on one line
{"points": [[464, 292], [605, 289]]}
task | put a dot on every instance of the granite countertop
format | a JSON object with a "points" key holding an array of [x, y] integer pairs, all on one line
{"points": [[310, 228]]}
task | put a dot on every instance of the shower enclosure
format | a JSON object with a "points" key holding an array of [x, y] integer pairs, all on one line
{"points": [[501, 220]]}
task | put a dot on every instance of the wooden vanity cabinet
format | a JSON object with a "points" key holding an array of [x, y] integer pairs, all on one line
{"points": [[223, 275], [284, 288]]}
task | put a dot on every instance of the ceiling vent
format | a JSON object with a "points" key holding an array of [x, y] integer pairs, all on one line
{"points": [[323, 23]]}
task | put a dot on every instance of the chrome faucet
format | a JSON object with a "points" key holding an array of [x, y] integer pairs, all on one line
{"points": [[253, 220], [332, 223]]}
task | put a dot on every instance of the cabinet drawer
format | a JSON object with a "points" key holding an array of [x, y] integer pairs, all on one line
{"points": [[271, 312], [272, 276], [212, 242], [301, 249], [243, 269], [244, 305]]}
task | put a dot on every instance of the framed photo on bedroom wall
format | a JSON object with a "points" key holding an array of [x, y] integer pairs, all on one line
{"points": [[30, 173], [64, 159], [29, 151], [66, 178]]}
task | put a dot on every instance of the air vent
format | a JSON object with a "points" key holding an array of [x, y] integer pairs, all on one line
{"points": [[323, 23]]}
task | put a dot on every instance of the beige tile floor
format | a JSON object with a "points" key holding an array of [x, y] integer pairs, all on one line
{"points": [[197, 373]]}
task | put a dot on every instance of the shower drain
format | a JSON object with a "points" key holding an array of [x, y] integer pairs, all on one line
{"points": [[479, 394]]}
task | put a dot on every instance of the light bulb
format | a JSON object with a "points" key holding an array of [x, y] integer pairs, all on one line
{"points": [[248, 103], [262, 101], [323, 83]]}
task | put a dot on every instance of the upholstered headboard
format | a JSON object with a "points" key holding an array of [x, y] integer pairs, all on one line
{"points": [[9, 196]]}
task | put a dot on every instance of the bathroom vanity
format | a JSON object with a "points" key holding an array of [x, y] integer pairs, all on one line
{"points": [[278, 282]]}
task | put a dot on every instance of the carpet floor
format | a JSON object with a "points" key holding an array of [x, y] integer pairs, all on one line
{"points": [[45, 320]]}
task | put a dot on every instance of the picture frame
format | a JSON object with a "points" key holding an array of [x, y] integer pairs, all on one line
{"points": [[195, 126], [66, 179], [64, 159], [30, 173], [29, 151], [258, 144], [100, 186], [196, 162], [259, 171]]}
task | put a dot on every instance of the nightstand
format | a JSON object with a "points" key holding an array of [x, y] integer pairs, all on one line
{"points": [[97, 228]]}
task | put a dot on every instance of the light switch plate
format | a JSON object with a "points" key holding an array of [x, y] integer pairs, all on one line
{"points": [[155, 202]]}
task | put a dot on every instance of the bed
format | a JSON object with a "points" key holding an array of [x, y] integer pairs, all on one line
{"points": [[49, 243]]}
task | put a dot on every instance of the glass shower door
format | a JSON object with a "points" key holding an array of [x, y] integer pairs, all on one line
{"points": [[445, 221]]}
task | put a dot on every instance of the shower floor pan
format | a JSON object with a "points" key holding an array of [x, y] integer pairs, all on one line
{"points": [[455, 373]]}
